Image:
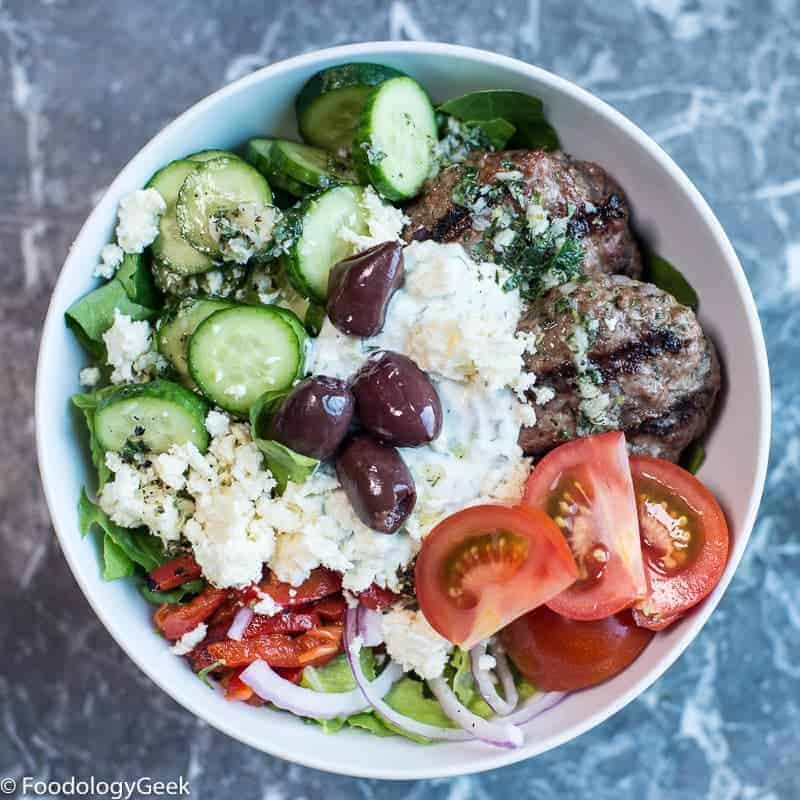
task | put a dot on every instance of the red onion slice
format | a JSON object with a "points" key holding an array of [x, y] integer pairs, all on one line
{"points": [[240, 623], [268, 685], [500, 733], [538, 704], [504, 673], [369, 627], [485, 684], [386, 711]]}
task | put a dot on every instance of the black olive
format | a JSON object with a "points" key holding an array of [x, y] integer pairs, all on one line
{"points": [[315, 417], [396, 400], [360, 287], [377, 482]]}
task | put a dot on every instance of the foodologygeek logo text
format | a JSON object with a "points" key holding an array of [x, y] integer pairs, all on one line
{"points": [[91, 786]]}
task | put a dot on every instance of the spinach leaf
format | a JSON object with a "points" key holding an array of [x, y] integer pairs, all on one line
{"points": [[693, 456], [521, 110], [662, 273], [116, 563], [88, 403], [285, 464], [498, 132], [91, 316], [174, 596], [314, 318], [136, 278], [138, 546]]}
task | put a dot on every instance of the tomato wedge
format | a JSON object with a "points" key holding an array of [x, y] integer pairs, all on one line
{"points": [[320, 583], [172, 574], [684, 537], [585, 486], [484, 566], [561, 655], [175, 620]]}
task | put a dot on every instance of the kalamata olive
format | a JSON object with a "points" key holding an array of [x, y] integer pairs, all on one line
{"points": [[396, 401], [315, 416], [360, 287], [377, 482]]}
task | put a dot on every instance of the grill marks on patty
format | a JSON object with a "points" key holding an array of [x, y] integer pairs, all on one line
{"points": [[647, 355], [601, 213]]}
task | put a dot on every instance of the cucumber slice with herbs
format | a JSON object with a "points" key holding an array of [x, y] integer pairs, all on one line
{"points": [[311, 166], [170, 248], [209, 155], [320, 246], [396, 140], [329, 105], [178, 324], [258, 154], [216, 193], [238, 354], [151, 416]]}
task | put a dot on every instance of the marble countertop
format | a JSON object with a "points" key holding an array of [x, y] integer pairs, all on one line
{"points": [[84, 84]]}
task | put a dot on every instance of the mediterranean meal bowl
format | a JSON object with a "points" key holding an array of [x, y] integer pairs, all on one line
{"points": [[402, 410]]}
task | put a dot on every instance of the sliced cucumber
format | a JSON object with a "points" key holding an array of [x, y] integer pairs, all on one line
{"points": [[329, 105], [238, 354], [396, 139], [297, 326], [135, 275], [311, 166], [258, 154], [208, 155], [319, 246], [170, 249], [153, 415], [216, 191], [178, 324]]}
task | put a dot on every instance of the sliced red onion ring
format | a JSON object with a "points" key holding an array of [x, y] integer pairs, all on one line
{"points": [[483, 680], [369, 627], [500, 733], [268, 685], [240, 623], [504, 673], [538, 704], [386, 711]]}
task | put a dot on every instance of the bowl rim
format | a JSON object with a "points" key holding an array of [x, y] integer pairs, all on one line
{"points": [[52, 328]]}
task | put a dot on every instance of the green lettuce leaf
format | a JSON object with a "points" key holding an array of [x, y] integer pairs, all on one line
{"points": [[666, 276], [136, 278], [138, 546], [459, 675], [174, 596], [521, 110], [88, 403], [91, 316]]}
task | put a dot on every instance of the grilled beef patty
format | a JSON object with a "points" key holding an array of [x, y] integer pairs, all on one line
{"points": [[600, 218], [616, 354]]}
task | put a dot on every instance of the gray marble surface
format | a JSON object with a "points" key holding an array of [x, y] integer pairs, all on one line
{"points": [[83, 85]]}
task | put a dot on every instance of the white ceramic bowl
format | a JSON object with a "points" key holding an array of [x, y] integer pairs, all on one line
{"points": [[668, 211]]}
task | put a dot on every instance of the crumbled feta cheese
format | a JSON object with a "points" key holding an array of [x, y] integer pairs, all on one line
{"points": [[503, 239], [139, 213], [217, 423], [266, 606], [486, 662], [611, 323], [89, 377], [110, 258], [526, 415], [536, 216], [190, 640], [384, 222], [413, 643], [126, 340], [243, 231], [544, 394]]}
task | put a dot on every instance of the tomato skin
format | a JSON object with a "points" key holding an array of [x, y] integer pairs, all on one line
{"points": [[173, 573], [673, 593], [175, 620], [559, 654], [319, 584], [377, 597], [545, 569], [608, 515]]}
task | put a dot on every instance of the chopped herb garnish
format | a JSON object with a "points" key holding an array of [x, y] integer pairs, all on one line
{"points": [[466, 191], [203, 674], [542, 263]]}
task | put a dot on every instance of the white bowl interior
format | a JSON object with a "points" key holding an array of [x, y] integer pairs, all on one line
{"points": [[676, 222]]}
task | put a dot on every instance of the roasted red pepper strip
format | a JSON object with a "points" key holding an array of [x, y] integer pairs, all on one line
{"points": [[320, 583], [173, 573], [331, 608], [175, 620], [377, 598], [235, 688], [293, 675], [200, 658], [282, 622]]}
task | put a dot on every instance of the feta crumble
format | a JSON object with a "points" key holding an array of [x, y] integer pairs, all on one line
{"points": [[486, 662], [139, 213], [243, 231], [89, 377], [190, 640], [384, 222], [217, 423], [110, 258], [413, 643], [126, 341], [266, 606], [544, 394]]}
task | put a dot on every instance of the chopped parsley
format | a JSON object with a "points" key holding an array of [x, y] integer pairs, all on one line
{"points": [[467, 190], [541, 263]]}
